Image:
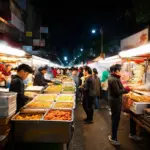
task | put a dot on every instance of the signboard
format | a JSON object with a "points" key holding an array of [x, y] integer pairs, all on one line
{"points": [[17, 22], [38, 42], [135, 40], [29, 34], [43, 29], [27, 48]]}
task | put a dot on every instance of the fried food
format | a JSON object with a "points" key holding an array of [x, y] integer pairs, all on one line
{"points": [[29, 117], [40, 104], [58, 115], [138, 98]]}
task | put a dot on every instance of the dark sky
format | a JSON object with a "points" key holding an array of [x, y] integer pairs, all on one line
{"points": [[70, 23]]}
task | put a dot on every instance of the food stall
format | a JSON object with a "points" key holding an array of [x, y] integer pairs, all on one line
{"points": [[48, 118], [136, 63]]}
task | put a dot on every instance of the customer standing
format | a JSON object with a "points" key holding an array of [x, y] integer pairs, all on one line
{"points": [[88, 95], [115, 91], [97, 88], [104, 84]]}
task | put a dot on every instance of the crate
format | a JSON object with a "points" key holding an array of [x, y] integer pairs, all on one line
{"points": [[7, 99]]}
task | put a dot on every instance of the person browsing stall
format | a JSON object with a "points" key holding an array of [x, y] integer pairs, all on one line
{"points": [[17, 84], [39, 79]]}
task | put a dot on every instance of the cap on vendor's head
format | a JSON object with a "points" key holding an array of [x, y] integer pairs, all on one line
{"points": [[25, 68]]}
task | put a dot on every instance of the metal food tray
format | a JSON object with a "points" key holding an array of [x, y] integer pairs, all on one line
{"points": [[52, 92], [69, 92], [42, 131], [37, 89], [27, 107], [74, 105], [74, 97], [7, 99], [45, 95]]}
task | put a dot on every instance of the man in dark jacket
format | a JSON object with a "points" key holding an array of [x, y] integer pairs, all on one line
{"points": [[88, 95], [17, 84], [97, 88], [115, 91], [39, 79]]}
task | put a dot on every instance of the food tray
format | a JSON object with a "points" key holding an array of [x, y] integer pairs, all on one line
{"points": [[73, 95], [27, 114], [28, 107], [69, 84], [42, 131], [71, 110], [45, 95], [7, 99], [52, 92], [73, 107], [7, 111], [35, 89]]}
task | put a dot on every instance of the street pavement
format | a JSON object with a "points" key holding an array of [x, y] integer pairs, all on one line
{"points": [[95, 136]]}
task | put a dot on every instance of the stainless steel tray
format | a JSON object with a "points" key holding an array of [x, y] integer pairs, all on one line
{"points": [[74, 105], [51, 92], [72, 94], [44, 95], [28, 107], [43, 131], [39, 89]]}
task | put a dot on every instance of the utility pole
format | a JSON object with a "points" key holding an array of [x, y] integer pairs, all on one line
{"points": [[101, 33]]}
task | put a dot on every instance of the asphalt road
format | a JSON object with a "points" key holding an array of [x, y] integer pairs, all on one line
{"points": [[95, 136]]}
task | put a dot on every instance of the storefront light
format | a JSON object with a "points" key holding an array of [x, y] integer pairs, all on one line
{"points": [[112, 58], [11, 51], [142, 50]]}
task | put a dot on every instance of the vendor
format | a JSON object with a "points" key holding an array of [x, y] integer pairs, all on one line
{"points": [[39, 79], [17, 84]]}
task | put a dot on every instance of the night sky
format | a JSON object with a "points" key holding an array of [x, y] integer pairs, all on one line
{"points": [[70, 24]]}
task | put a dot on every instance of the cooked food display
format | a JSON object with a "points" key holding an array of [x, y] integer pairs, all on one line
{"points": [[30, 94], [138, 98], [68, 88], [63, 105], [45, 97], [40, 104], [29, 116], [58, 115], [138, 72], [54, 88], [65, 98]]}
